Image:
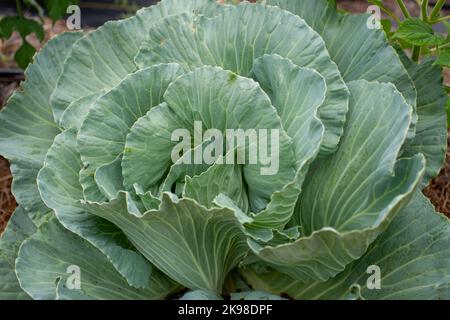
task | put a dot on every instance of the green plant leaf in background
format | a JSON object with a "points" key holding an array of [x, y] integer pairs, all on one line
{"points": [[443, 59], [57, 9], [22, 25], [387, 26], [431, 133], [24, 54], [418, 33]]}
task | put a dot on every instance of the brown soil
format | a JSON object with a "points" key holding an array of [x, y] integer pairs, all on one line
{"points": [[7, 201], [438, 190]]}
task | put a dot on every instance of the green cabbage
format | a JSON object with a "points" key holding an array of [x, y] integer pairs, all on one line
{"points": [[361, 131]]}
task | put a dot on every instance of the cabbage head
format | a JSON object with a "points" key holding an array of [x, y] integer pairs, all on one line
{"points": [[106, 212]]}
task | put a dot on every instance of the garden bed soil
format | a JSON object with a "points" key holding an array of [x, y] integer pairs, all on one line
{"points": [[438, 190], [7, 202]]}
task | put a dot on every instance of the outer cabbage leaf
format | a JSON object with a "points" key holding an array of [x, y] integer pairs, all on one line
{"points": [[413, 256], [193, 245], [27, 129], [359, 52], [19, 228], [59, 185], [201, 295], [77, 111], [351, 197], [43, 263], [431, 131]]}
